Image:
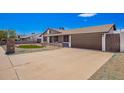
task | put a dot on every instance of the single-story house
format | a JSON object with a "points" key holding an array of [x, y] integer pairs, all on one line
{"points": [[101, 37], [30, 38]]}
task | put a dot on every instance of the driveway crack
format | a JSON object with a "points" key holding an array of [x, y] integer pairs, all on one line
{"points": [[13, 68]]}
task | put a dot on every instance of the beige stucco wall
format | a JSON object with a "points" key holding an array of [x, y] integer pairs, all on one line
{"points": [[60, 39], [121, 41], [111, 30]]}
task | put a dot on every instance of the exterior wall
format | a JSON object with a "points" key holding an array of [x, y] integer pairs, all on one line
{"points": [[121, 41], [60, 39], [52, 39], [88, 41], [111, 30]]}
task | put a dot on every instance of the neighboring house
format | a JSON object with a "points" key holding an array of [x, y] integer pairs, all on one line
{"points": [[31, 38], [96, 37]]}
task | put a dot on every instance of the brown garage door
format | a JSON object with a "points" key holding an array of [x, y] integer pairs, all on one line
{"points": [[113, 42], [88, 41]]}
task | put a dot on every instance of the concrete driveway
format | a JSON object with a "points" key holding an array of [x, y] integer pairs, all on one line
{"points": [[59, 64]]}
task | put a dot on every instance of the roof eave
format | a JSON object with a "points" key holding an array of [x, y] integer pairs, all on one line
{"points": [[74, 33]]}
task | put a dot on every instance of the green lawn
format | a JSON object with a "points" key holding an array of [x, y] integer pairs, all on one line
{"points": [[30, 46]]}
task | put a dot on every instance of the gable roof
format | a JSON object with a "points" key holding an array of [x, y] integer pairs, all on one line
{"points": [[94, 29], [27, 36]]}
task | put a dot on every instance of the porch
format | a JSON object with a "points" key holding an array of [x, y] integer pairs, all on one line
{"points": [[61, 41]]}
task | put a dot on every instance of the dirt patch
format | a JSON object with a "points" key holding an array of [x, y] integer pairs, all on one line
{"points": [[112, 70]]}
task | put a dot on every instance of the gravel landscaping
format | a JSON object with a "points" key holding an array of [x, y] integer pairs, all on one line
{"points": [[112, 70]]}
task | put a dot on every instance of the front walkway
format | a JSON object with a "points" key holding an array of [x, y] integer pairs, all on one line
{"points": [[64, 63]]}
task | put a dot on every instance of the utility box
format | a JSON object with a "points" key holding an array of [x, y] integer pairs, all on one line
{"points": [[10, 46]]}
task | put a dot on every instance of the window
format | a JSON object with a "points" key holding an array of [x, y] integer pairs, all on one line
{"points": [[55, 38], [66, 38], [45, 39], [50, 39]]}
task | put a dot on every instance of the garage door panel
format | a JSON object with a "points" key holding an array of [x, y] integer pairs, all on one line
{"points": [[89, 41]]}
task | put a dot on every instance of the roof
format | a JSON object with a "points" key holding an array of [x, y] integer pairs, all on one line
{"points": [[30, 35], [93, 29]]}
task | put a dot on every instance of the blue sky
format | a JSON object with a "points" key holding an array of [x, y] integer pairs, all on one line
{"points": [[27, 23]]}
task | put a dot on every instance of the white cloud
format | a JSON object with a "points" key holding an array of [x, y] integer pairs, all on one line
{"points": [[87, 14]]}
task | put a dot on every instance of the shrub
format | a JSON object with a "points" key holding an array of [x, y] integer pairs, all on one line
{"points": [[30, 46]]}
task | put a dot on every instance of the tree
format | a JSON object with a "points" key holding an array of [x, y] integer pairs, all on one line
{"points": [[4, 34], [11, 34]]}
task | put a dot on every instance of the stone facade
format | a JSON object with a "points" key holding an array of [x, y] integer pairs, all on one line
{"points": [[10, 46]]}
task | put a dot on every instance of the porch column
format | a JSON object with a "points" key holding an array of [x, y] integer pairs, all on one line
{"points": [[121, 41], [69, 40], [42, 39], [48, 38], [104, 42]]}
